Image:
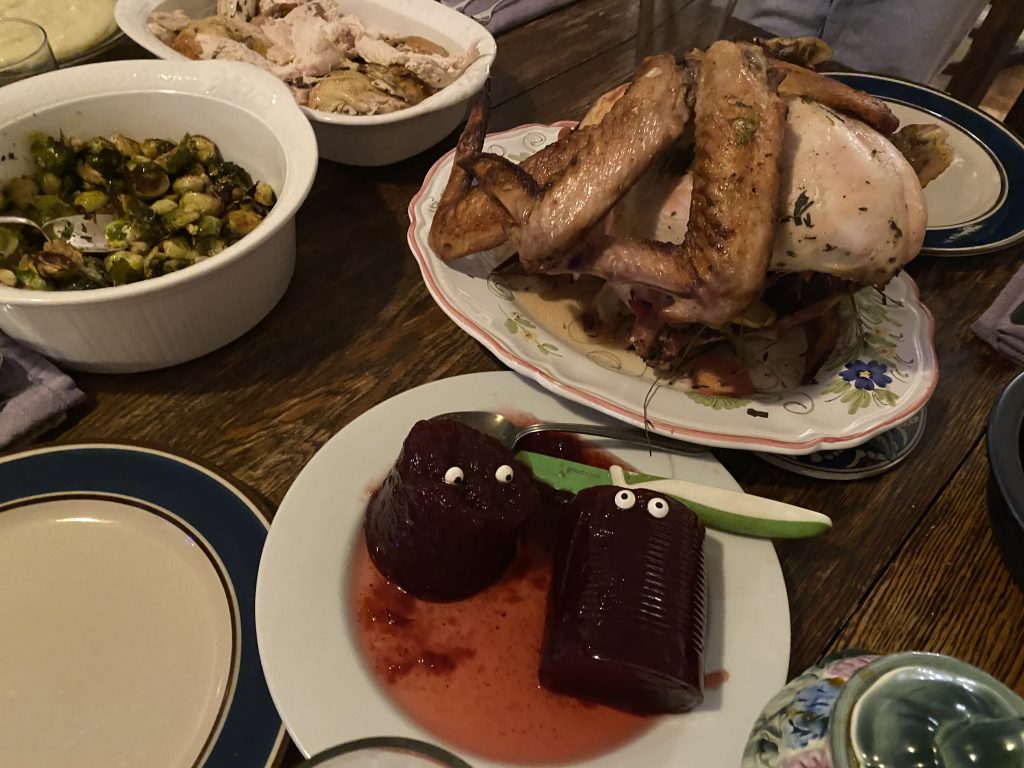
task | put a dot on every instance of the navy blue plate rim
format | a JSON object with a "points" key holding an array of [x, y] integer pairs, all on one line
{"points": [[232, 522], [998, 228], [913, 429]]}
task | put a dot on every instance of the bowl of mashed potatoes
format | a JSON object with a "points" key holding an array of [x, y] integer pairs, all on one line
{"points": [[380, 80], [77, 29]]}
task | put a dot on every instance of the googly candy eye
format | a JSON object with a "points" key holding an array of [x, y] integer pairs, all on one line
{"points": [[625, 499], [658, 507], [454, 476], [504, 474]]}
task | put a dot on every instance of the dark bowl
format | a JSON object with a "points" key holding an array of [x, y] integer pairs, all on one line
{"points": [[1006, 476]]}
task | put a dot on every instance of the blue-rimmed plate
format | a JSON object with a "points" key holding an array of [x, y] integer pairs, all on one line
{"points": [[129, 579], [977, 204]]}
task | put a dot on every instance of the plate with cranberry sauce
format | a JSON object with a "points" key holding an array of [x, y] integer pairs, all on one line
{"points": [[469, 647]]}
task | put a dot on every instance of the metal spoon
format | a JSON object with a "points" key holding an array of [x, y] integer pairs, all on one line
{"points": [[83, 232], [507, 433]]}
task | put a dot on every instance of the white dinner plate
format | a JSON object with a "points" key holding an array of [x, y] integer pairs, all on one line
{"points": [[327, 695], [127, 610], [882, 372]]}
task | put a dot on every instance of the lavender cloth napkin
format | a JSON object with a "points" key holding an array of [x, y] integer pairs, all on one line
{"points": [[502, 15], [996, 325], [33, 393]]}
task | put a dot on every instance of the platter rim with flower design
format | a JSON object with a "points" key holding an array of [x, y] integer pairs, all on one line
{"points": [[856, 399]]}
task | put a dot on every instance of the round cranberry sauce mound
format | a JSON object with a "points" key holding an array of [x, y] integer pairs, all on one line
{"points": [[445, 523], [625, 623]]}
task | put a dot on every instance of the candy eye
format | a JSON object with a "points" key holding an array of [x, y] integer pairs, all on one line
{"points": [[658, 507], [503, 474], [625, 499], [454, 476]]}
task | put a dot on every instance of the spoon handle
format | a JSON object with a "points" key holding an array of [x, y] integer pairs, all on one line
{"points": [[19, 220], [626, 434]]}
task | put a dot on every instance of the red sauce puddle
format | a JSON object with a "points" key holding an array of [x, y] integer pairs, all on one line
{"points": [[467, 671]]}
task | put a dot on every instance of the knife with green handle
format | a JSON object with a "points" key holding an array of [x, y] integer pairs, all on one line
{"points": [[717, 508]]}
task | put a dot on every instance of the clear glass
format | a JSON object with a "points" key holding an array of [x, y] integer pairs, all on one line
{"points": [[24, 50], [679, 26]]}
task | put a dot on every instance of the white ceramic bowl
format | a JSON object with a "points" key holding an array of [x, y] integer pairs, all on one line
{"points": [[367, 140], [177, 317]]}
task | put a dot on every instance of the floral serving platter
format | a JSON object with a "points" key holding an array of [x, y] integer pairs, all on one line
{"points": [[882, 372]]}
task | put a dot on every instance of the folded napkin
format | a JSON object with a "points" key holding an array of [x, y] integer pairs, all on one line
{"points": [[502, 15], [1002, 324], [34, 395]]}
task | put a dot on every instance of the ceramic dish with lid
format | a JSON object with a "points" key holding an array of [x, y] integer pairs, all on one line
{"points": [[903, 710], [176, 317], [367, 140], [1006, 476]]}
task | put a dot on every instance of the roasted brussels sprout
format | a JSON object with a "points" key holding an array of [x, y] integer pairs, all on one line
{"points": [[50, 183], [123, 267], [164, 205], [116, 233], [126, 146], [147, 180], [90, 200], [29, 279], [46, 207], [209, 245], [202, 148], [9, 242], [20, 191], [51, 155], [153, 148], [228, 173], [176, 159], [102, 161], [56, 260], [207, 225], [191, 183], [242, 221], [175, 203], [264, 194]]}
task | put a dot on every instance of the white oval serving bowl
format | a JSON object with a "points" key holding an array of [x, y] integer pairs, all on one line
{"points": [[366, 140], [165, 320]]}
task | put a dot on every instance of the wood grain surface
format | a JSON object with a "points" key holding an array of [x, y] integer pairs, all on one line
{"points": [[910, 563]]}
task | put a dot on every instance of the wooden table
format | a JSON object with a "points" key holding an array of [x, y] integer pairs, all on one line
{"points": [[911, 562]]}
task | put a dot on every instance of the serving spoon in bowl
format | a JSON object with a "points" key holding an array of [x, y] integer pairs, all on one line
{"points": [[86, 232]]}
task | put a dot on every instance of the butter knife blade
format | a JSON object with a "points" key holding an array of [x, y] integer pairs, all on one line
{"points": [[722, 510]]}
